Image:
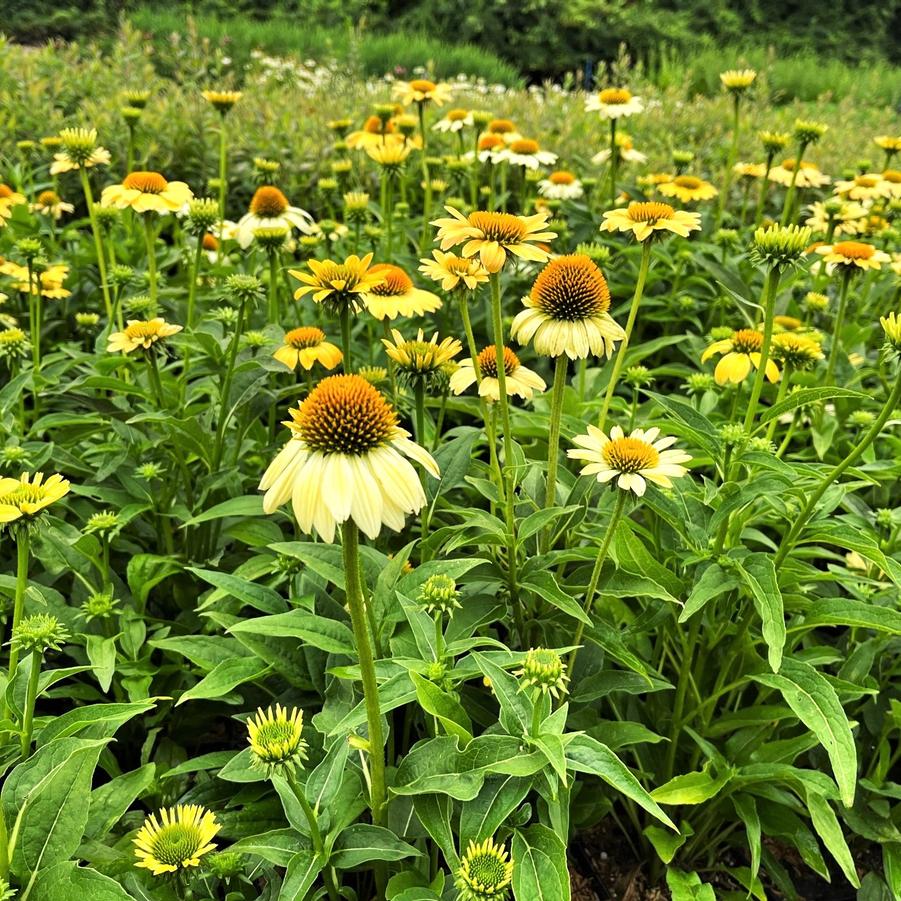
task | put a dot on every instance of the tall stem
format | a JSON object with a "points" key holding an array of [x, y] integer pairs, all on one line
{"points": [[31, 694], [427, 186], [98, 242], [730, 160], [630, 324], [345, 336], [836, 472], [780, 396], [553, 439], [764, 186], [587, 605], [769, 303], [150, 241], [328, 877], [614, 163], [223, 418], [835, 350], [273, 288], [223, 174], [22, 550], [356, 606], [789, 203]]}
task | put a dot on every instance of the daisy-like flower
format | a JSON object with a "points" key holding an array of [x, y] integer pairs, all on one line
{"points": [[421, 90], [506, 128], [141, 334], [741, 352], [79, 150], [869, 186], [374, 131], [796, 350], [809, 175], [390, 155], [221, 101], [688, 188], [545, 670], [276, 739], [347, 460], [625, 149], [632, 460], [454, 120], [49, 203], [845, 217], [526, 152], [29, 495], [485, 873], [269, 208], [397, 295], [490, 150], [651, 219], [561, 185], [737, 81], [181, 836], [453, 271], [147, 192], [614, 103], [892, 178], [8, 199], [566, 311], [749, 170], [418, 358], [49, 281], [519, 381], [494, 235], [306, 346], [889, 143], [338, 284], [851, 255]]}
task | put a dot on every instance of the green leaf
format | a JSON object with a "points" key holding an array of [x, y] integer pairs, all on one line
{"points": [[703, 430], [498, 798], [802, 398], [540, 873], [328, 635], [855, 614], [363, 843], [454, 458], [891, 867], [688, 886], [691, 788], [714, 581], [93, 721], [434, 812], [545, 586], [109, 802], [145, 572], [102, 654], [516, 714], [445, 707], [250, 593], [815, 702], [224, 677], [540, 519], [250, 505], [303, 871], [66, 880], [278, 846], [827, 827], [759, 575], [665, 843], [746, 808]]}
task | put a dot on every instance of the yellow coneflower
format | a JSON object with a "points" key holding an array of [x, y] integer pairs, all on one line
{"points": [[141, 334], [49, 203], [561, 185], [454, 120], [787, 323], [269, 208], [566, 312], [544, 670], [506, 128], [526, 153], [614, 103], [889, 143], [276, 739], [741, 353], [809, 175], [375, 131], [147, 192], [843, 217], [892, 177], [8, 199], [750, 170], [653, 179], [452, 271], [489, 150], [519, 381], [79, 150], [421, 90], [494, 235], [305, 347], [625, 150], [485, 873], [737, 80], [221, 101], [49, 281], [418, 356], [346, 460], [633, 460], [644, 219], [397, 295], [688, 188], [340, 284], [389, 155], [869, 186], [851, 255], [795, 350], [28, 495], [176, 841]]}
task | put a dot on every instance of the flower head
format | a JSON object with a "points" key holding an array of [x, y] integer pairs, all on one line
{"points": [[269, 208], [39, 633], [737, 81], [306, 346], [561, 185], [566, 312], [808, 176], [614, 103], [545, 670], [773, 141], [806, 131], [868, 186], [891, 327], [221, 101], [438, 594], [79, 150], [28, 496], [651, 220], [796, 350], [397, 295], [390, 156], [141, 333], [842, 216], [421, 90], [346, 460], [740, 352], [625, 150], [485, 873], [276, 739], [147, 192], [417, 358], [631, 460], [526, 153], [780, 245], [454, 272], [454, 120], [851, 256], [176, 841], [688, 188], [494, 235], [338, 285], [518, 380]]}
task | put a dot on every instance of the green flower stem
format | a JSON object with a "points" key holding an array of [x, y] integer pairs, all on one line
{"points": [[553, 441], [98, 242], [504, 166], [419, 403], [22, 552], [630, 324], [730, 160], [392, 368], [274, 316], [150, 241], [780, 396], [130, 158], [769, 307], [614, 163], [685, 676], [836, 472], [789, 203], [328, 876], [156, 384], [223, 173], [587, 605], [34, 317], [356, 606], [764, 187], [537, 696], [224, 416], [835, 350], [4, 848], [427, 187], [31, 694], [345, 336], [474, 171]]}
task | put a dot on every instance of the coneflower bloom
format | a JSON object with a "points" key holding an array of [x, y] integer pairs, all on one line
{"points": [[453, 271], [389, 155], [809, 175], [848, 219], [454, 120], [519, 381], [338, 284], [649, 219], [221, 101], [347, 459], [421, 90], [852, 255], [29, 495], [276, 739], [566, 312], [526, 153], [79, 150], [374, 131], [305, 347], [485, 873], [417, 356], [688, 188], [397, 295], [141, 334], [147, 192], [561, 185], [869, 186], [269, 208], [614, 103], [8, 199], [741, 353], [625, 150], [176, 841], [49, 203], [49, 282]]}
